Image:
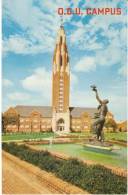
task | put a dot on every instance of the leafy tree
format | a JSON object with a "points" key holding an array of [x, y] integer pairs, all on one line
{"points": [[110, 123], [10, 120]]}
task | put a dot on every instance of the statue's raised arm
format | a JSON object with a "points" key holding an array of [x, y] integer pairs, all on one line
{"points": [[97, 96]]}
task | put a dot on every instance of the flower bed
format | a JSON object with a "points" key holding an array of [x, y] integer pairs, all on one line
{"points": [[95, 179]]}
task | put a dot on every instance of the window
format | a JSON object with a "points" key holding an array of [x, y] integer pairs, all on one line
{"points": [[85, 126], [35, 126], [9, 126], [48, 126], [60, 39], [60, 60], [26, 126], [43, 126], [35, 120], [21, 126], [61, 97]]}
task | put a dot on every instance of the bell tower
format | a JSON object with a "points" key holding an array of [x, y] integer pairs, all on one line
{"points": [[60, 85]]}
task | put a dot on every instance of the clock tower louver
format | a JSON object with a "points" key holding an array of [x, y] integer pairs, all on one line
{"points": [[60, 85]]}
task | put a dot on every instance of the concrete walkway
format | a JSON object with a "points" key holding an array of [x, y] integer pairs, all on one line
{"points": [[17, 181]]}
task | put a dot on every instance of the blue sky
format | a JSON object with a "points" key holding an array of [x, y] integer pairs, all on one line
{"points": [[96, 45]]}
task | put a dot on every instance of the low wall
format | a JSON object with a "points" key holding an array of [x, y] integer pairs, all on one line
{"points": [[48, 179], [118, 142], [55, 141]]}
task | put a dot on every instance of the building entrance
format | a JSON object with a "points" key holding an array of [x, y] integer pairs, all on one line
{"points": [[60, 125]]}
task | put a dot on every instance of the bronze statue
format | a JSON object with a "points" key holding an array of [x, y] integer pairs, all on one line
{"points": [[100, 117]]}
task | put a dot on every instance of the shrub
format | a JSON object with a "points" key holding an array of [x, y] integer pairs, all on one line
{"points": [[72, 171], [49, 163], [95, 179]]}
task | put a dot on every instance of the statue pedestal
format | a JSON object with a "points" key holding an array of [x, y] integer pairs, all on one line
{"points": [[97, 146]]}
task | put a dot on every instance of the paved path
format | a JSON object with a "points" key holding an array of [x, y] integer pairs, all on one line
{"points": [[19, 182]]}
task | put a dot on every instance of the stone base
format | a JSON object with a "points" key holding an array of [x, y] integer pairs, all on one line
{"points": [[95, 142], [98, 146]]}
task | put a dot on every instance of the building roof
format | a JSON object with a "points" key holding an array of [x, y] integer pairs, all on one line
{"points": [[46, 111], [77, 111]]}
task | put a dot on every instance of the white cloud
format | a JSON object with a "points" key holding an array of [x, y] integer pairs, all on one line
{"points": [[18, 96], [16, 44], [21, 45], [39, 82], [123, 70], [82, 98], [7, 83], [104, 36], [113, 54], [85, 64], [108, 57], [118, 109], [40, 27], [74, 79]]}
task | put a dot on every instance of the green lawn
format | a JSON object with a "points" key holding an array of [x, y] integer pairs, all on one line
{"points": [[108, 136], [25, 136], [116, 136]]}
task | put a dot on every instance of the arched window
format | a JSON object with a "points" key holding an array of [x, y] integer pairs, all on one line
{"points": [[60, 121]]}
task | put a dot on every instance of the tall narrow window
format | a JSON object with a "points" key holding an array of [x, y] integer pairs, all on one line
{"points": [[60, 60], [61, 40]]}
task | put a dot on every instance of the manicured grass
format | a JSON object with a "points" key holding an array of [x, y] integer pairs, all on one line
{"points": [[116, 136], [86, 134], [108, 136], [25, 136]]}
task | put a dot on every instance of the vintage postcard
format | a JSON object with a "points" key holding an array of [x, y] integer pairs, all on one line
{"points": [[64, 120]]}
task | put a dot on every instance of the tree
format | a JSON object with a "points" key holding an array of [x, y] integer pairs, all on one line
{"points": [[110, 123], [9, 120]]}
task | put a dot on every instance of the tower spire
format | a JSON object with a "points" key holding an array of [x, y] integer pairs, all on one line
{"points": [[61, 84], [61, 21]]}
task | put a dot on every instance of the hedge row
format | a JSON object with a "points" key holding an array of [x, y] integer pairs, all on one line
{"points": [[95, 179]]}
